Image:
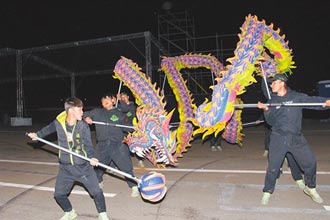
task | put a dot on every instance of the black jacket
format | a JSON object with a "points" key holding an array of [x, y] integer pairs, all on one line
{"points": [[108, 132], [288, 119], [81, 144]]}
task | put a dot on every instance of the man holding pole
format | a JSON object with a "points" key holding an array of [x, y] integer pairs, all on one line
{"points": [[129, 109], [74, 135], [286, 135], [110, 147]]}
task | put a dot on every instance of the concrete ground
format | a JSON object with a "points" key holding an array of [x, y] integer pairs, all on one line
{"points": [[205, 185]]}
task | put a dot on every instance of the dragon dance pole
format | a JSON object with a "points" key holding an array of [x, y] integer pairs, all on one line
{"points": [[88, 159], [119, 89], [151, 185], [253, 123], [174, 124], [112, 124], [255, 105], [265, 80]]}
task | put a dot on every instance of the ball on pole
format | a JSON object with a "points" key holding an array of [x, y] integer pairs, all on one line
{"points": [[152, 186]]}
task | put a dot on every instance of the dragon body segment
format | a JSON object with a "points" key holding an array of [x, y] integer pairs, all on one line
{"points": [[144, 91], [186, 108], [254, 38]]}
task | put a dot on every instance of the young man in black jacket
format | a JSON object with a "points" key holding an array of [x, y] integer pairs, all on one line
{"points": [[74, 134], [110, 146]]}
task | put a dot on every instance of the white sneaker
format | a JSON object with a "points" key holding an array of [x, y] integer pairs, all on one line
{"points": [[140, 163], [265, 198], [300, 184], [101, 185], [213, 148], [103, 216], [219, 148], [311, 192], [72, 215], [135, 191], [265, 153]]}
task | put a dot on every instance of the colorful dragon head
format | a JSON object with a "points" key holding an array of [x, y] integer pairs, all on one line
{"points": [[153, 138]]}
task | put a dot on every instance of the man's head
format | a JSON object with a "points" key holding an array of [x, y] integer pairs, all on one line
{"points": [[108, 100], [73, 107], [281, 77], [124, 97], [278, 84]]}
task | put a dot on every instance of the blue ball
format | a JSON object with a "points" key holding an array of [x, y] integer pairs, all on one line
{"points": [[152, 186]]}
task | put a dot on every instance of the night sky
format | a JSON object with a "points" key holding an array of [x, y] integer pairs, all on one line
{"points": [[27, 24]]}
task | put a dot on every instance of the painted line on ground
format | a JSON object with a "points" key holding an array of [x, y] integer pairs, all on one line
{"points": [[171, 169], [274, 210], [29, 162], [50, 189], [304, 131], [326, 207], [279, 210], [222, 171]]}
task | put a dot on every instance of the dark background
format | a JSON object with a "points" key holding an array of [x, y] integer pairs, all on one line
{"points": [[27, 24]]}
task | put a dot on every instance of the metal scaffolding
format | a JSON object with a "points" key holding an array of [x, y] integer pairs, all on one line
{"points": [[176, 32], [73, 67], [54, 61]]}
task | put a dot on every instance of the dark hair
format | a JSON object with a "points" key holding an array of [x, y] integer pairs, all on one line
{"points": [[108, 94], [72, 102], [281, 77]]}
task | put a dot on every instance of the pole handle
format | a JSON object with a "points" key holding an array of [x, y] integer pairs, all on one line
{"points": [[88, 159], [255, 105], [253, 123], [112, 124]]}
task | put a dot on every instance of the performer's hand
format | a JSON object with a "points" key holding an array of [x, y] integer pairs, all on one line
{"points": [[262, 106], [33, 136], [94, 162], [327, 103], [119, 96], [88, 120]]}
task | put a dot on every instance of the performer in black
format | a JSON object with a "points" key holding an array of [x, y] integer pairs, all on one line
{"points": [[74, 134], [110, 147], [286, 136]]}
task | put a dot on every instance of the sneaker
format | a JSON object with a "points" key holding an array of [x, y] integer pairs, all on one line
{"points": [[213, 148], [219, 148], [265, 153], [300, 184], [101, 185], [280, 173], [265, 198], [72, 215], [140, 163], [103, 216], [311, 192], [135, 191]]}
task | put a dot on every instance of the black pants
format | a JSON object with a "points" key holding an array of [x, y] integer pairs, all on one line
{"points": [[82, 173], [280, 145], [118, 153], [267, 136], [215, 141], [294, 167]]}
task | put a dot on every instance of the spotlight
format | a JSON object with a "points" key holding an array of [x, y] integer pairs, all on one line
{"points": [[167, 5]]}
